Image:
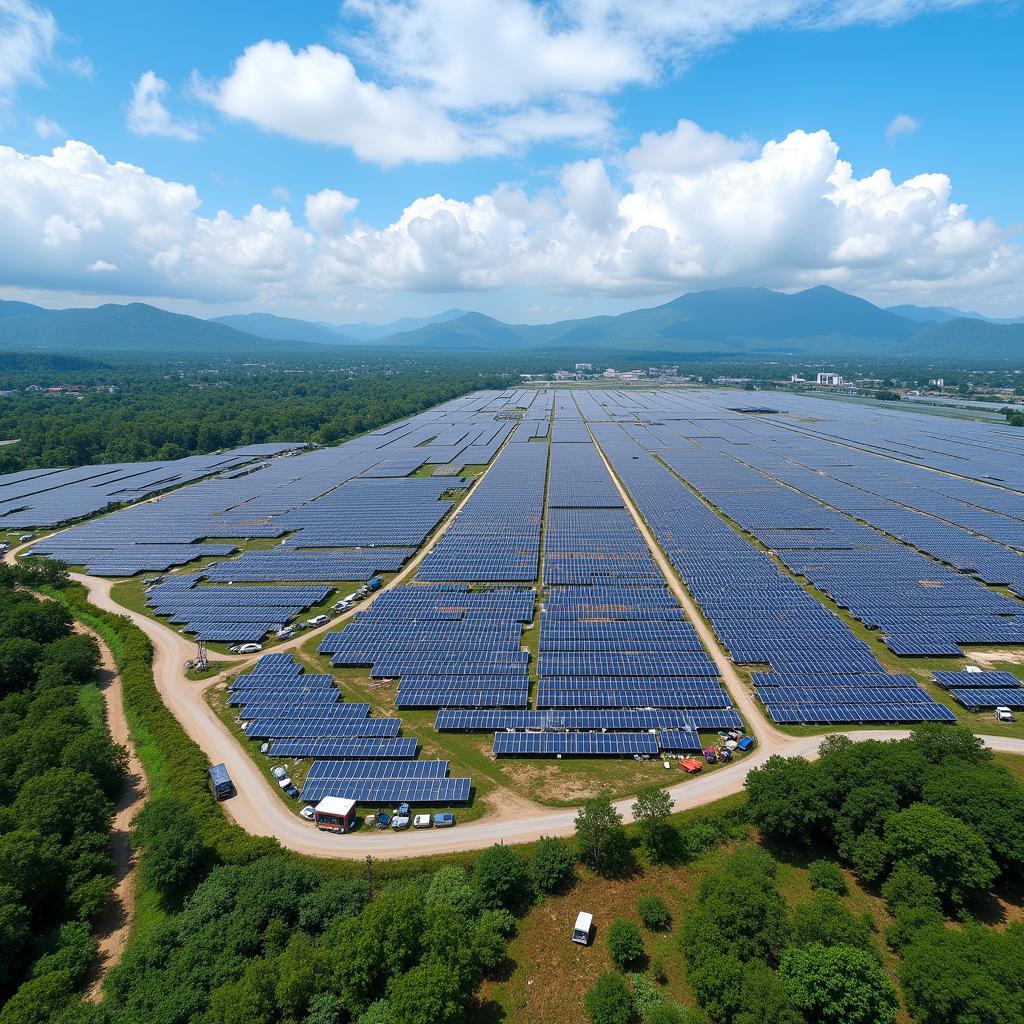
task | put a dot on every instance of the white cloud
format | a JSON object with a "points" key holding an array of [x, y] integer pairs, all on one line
{"points": [[27, 36], [901, 124], [147, 114], [685, 148], [101, 266], [46, 128], [281, 193], [446, 80], [326, 211], [316, 95], [791, 214]]}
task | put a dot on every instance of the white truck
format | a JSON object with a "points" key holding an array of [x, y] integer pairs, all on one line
{"points": [[583, 929]]}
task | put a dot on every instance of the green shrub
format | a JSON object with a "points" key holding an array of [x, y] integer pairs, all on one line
{"points": [[826, 874], [552, 865], [625, 943], [653, 912], [609, 1001]]}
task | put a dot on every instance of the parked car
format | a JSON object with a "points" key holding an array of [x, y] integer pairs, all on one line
{"points": [[279, 771], [307, 812], [745, 744], [1004, 714], [317, 620], [403, 810], [250, 648], [691, 765], [286, 633], [710, 755], [285, 782], [400, 822], [444, 820], [292, 791], [383, 820], [265, 748], [421, 821]]}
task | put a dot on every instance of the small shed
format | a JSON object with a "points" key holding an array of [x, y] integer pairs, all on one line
{"points": [[335, 814]]}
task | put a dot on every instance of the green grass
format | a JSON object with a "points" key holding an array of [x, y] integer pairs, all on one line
{"points": [[91, 701]]}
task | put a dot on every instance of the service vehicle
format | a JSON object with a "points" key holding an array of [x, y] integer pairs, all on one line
{"points": [[444, 820], [403, 809], [250, 648], [400, 822], [1004, 714], [583, 929], [284, 782], [292, 790], [279, 771], [421, 821], [307, 812], [285, 633], [383, 820], [220, 781], [317, 620], [745, 744]]}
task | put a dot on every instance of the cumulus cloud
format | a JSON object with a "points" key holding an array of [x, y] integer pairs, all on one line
{"points": [[901, 124], [440, 81], [27, 37], [326, 211], [788, 214], [101, 266], [147, 114]]}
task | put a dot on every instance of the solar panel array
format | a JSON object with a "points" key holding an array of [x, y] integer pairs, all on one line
{"points": [[979, 690], [450, 646]]}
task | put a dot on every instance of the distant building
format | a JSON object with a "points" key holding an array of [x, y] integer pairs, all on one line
{"points": [[584, 366], [609, 374], [938, 382], [830, 380], [795, 378]]}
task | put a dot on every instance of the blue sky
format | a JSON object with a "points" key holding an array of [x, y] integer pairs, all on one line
{"points": [[585, 155]]}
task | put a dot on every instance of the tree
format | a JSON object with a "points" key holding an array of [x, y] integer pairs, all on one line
{"points": [[942, 847], [427, 994], [77, 656], [14, 933], [174, 857], [940, 743], [450, 884], [653, 912], [600, 837], [609, 1001], [907, 888], [837, 985], [763, 998], [785, 799], [551, 865], [39, 1000], [625, 943], [971, 976], [501, 877], [18, 660], [651, 812]]}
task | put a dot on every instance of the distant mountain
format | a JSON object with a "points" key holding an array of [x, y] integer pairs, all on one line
{"points": [[135, 327], [375, 332], [19, 309], [964, 337], [943, 314], [727, 320], [282, 328]]}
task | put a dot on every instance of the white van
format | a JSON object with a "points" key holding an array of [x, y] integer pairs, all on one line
{"points": [[421, 821], [1004, 714], [583, 930]]}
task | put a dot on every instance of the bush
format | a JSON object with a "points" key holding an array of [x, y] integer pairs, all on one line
{"points": [[552, 865], [653, 912], [625, 943], [646, 997], [825, 874], [609, 1001], [825, 919], [658, 972], [909, 889]]}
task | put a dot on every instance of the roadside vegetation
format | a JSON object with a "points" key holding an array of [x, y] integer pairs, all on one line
{"points": [[60, 777]]}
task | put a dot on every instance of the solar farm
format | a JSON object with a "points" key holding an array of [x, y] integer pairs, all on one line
{"points": [[857, 566]]}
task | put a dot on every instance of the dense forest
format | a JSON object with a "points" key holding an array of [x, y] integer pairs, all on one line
{"points": [[165, 411], [60, 776]]}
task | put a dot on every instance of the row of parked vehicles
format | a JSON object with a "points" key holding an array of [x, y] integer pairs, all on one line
{"points": [[731, 742]]}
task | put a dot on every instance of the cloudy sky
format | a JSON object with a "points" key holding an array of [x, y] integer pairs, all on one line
{"points": [[532, 160]]}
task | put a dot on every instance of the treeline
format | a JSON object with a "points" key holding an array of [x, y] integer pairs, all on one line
{"points": [[935, 826], [60, 776], [167, 412]]}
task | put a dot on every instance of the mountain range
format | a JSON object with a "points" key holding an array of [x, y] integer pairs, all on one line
{"points": [[819, 321]]}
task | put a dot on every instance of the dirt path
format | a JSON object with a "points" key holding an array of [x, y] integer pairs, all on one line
{"points": [[114, 925]]}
